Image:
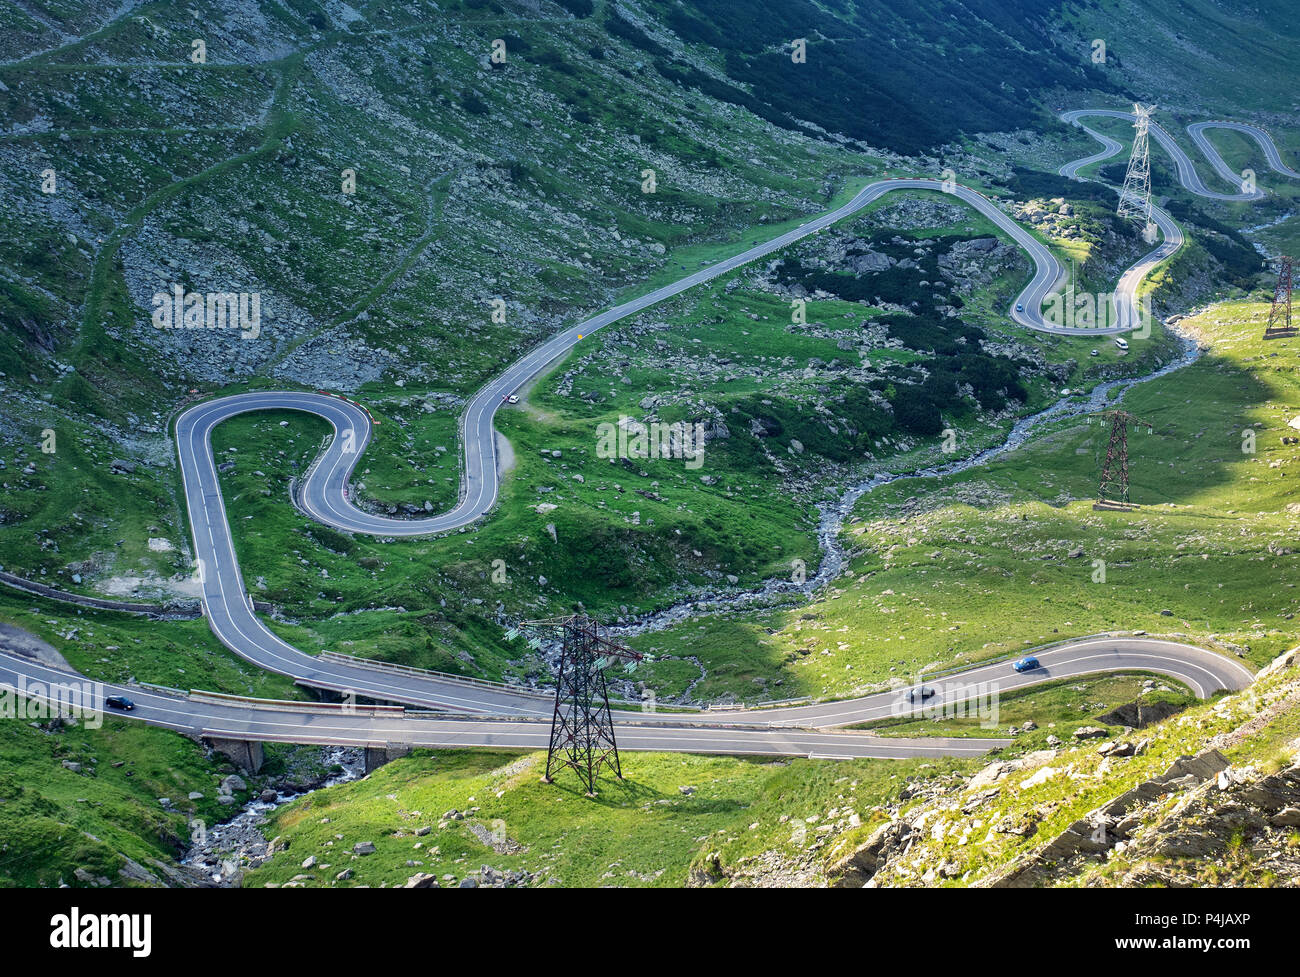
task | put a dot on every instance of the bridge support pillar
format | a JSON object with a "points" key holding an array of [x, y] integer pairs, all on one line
{"points": [[245, 754], [377, 756]]}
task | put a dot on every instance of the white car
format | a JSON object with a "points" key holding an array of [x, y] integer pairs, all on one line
{"points": [[512, 399], [1121, 343]]}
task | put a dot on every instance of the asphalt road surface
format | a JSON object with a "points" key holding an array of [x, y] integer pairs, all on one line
{"points": [[792, 731]]}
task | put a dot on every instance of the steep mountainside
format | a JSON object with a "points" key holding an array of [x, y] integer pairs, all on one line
{"points": [[1208, 798]]}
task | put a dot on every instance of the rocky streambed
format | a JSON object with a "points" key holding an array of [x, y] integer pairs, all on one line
{"points": [[219, 853]]}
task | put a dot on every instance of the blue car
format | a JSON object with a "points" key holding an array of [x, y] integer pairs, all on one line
{"points": [[1026, 664]]}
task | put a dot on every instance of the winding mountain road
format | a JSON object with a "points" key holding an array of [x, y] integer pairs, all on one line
{"points": [[811, 730], [496, 715], [1187, 174]]}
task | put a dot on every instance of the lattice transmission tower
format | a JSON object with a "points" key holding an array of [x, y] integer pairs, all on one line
{"points": [[1135, 195], [1279, 317], [582, 730], [1113, 493]]}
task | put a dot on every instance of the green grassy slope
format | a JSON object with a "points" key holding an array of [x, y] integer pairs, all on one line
{"points": [[647, 830], [952, 570]]}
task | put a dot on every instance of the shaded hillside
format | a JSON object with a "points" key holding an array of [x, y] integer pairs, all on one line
{"points": [[906, 77]]}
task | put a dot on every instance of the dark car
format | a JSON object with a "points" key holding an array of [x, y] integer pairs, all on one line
{"points": [[119, 702], [920, 693], [1027, 664]]}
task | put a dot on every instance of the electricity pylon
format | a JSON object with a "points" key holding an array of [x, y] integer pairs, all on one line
{"points": [[1135, 196], [582, 730], [1116, 467], [1279, 317]]}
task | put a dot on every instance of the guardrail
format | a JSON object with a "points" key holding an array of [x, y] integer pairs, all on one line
{"points": [[662, 708], [342, 659], [244, 735], [166, 689], [345, 708], [543, 694], [766, 704], [188, 610]]}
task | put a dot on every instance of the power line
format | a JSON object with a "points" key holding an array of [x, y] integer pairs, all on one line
{"points": [[1135, 196], [1113, 492], [582, 729], [1279, 316]]}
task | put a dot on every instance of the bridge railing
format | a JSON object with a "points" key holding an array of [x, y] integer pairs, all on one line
{"points": [[305, 739], [344, 659], [343, 708]]}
